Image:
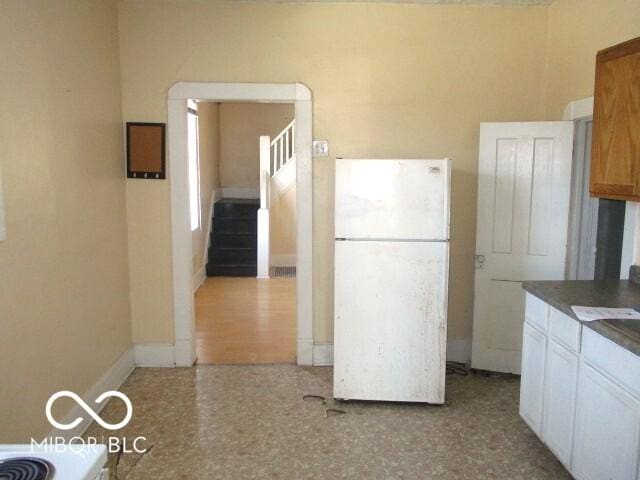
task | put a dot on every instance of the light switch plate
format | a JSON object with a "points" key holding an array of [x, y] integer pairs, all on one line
{"points": [[320, 148]]}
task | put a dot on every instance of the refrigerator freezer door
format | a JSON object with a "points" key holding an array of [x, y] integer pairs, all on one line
{"points": [[390, 320], [392, 199]]}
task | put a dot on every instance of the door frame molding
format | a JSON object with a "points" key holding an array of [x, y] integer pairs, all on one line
{"points": [[580, 111], [183, 302], [576, 255]]}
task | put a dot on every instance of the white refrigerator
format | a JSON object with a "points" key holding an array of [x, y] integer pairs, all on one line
{"points": [[391, 279]]}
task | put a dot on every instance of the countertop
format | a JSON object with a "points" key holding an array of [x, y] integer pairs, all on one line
{"points": [[595, 293]]}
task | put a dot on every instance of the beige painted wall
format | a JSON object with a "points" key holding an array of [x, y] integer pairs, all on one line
{"points": [[399, 80], [241, 125], [64, 290], [388, 80], [577, 30], [209, 149]]}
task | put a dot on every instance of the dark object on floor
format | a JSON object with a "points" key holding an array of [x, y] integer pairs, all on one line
{"points": [[318, 398], [234, 238], [458, 368], [634, 274], [490, 374], [333, 412]]}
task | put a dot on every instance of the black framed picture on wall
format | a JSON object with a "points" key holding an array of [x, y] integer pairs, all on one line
{"points": [[146, 150]]}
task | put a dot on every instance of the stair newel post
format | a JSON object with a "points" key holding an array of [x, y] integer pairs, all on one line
{"points": [[263, 212]]}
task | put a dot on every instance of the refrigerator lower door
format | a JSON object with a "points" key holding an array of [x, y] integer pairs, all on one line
{"points": [[390, 320]]}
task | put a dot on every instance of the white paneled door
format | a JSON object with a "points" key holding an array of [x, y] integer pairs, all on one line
{"points": [[524, 182]]}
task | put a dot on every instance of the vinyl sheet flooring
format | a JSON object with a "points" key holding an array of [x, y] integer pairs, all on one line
{"points": [[254, 422]]}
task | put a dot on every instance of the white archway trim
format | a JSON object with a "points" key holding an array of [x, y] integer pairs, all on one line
{"points": [[183, 308], [578, 109]]}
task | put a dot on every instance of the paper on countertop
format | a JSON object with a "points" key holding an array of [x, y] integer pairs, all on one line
{"points": [[589, 314]]}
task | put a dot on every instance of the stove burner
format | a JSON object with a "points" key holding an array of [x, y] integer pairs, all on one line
{"points": [[25, 468]]}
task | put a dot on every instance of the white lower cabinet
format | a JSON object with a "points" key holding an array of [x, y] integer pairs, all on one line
{"points": [[580, 393], [560, 386], [531, 391], [606, 435]]}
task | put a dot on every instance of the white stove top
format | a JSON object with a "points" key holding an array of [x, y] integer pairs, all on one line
{"points": [[71, 462]]}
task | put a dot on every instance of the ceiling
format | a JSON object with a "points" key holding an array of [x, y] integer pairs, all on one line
{"points": [[440, 2]]}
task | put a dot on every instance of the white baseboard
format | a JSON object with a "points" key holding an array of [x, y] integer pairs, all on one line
{"points": [[112, 379], [184, 353], [241, 192], [305, 351], [322, 354], [283, 260], [198, 278], [457, 351], [154, 355]]}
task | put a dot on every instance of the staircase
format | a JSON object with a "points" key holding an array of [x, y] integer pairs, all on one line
{"points": [[233, 246], [239, 238], [277, 169]]}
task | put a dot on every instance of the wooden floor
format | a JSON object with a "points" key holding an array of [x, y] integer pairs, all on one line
{"points": [[246, 320]]}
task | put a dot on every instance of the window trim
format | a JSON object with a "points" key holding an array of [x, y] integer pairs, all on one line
{"points": [[193, 112]]}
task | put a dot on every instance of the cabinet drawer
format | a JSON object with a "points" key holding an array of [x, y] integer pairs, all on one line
{"points": [[564, 329], [619, 364], [536, 312]]}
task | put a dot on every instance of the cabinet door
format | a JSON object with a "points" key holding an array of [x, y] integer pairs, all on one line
{"points": [[560, 386], [532, 377], [615, 152], [607, 429]]}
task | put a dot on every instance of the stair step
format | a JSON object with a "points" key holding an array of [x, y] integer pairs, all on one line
{"points": [[236, 208], [232, 270], [234, 240], [233, 251], [225, 262], [234, 225], [220, 256]]}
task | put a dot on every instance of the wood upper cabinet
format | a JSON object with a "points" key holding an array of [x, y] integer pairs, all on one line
{"points": [[615, 151]]}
